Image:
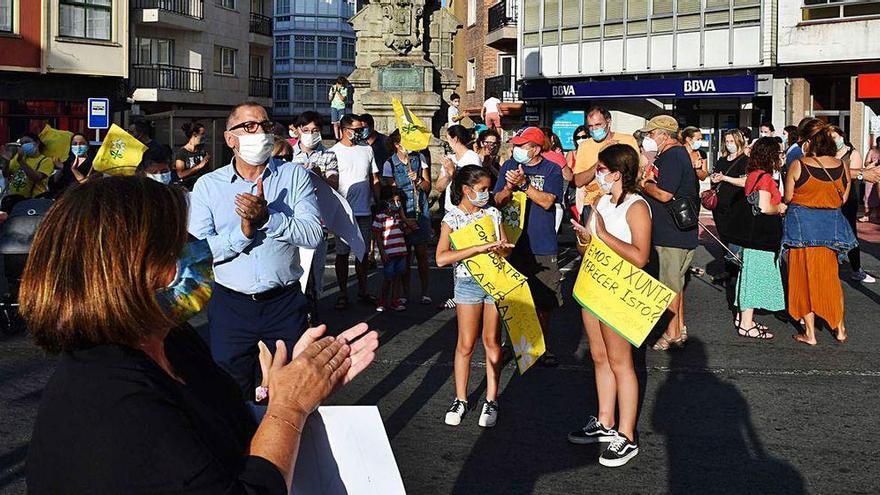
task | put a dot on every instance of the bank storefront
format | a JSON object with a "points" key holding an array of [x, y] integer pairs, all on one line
{"points": [[713, 103]]}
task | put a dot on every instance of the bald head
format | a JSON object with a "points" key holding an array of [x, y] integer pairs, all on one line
{"points": [[246, 111]]}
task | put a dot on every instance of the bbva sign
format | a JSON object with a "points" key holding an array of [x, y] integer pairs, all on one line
{"points": [[699, 86]]}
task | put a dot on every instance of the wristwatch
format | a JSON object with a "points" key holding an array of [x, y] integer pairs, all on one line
{"points": [[861, 175], [525, 185]]}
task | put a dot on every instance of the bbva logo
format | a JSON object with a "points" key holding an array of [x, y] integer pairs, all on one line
{"points": [[699, 86], [564, 90]]}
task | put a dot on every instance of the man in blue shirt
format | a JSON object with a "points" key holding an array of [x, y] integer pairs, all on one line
{"points": [[535, 252], [255, 213]]}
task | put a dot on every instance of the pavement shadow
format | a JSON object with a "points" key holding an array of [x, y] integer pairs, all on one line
{"points": [[711, 443]]}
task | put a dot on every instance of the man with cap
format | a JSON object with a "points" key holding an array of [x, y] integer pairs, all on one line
{"points": [[674, 247], [535, 253]]}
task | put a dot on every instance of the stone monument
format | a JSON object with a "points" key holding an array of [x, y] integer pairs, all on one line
{"points": [[404, 50]]}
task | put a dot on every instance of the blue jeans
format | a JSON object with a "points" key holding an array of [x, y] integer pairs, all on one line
{"points": [[394, 267], [468, 291], [817, 227]]}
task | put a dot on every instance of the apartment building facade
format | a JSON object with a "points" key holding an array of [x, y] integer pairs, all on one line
{"points": [[485, 55], [314, 44], [192, 60], [54, 54]]}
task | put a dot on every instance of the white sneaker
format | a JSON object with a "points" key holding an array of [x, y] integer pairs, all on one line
{"points": [[489, 416], [863, 277], [455, 412]]}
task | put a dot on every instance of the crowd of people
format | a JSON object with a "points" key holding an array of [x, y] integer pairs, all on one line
{"points": [[133, 376]]}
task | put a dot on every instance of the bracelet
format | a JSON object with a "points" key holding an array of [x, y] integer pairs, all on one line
{"points": [[288, 423]]}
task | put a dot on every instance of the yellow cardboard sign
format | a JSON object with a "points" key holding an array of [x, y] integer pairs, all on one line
{"points": [[120, 153], [56, 142], [513, 216], [622, 296], [509, 290]]}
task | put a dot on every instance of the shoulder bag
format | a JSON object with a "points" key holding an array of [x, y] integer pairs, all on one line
{"points": [[709, 197]]}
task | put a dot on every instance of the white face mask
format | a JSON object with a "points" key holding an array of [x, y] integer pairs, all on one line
{"points": [[291, 133], [164, 177], [309, 140], [696, 144], [731, 148], [255, 148], [649, 145], [481, 200], [605, 186]]}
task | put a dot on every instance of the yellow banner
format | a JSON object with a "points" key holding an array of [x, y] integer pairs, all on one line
{"points": [[56, 142], [414, 135], [509, 290], [513, 216], [120, 153], [624, 297]]}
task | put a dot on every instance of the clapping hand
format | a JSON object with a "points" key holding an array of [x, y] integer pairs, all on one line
{"points": [[515, 178], [448, 166], [253, 210]]}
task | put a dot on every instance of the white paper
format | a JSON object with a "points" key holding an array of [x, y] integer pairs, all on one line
{"points": [[345, 450], [337, 216]]}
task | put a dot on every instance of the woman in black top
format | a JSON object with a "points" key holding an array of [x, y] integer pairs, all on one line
{"points": [[732, 163], [135, 405], [75, 169], [191, 159]]}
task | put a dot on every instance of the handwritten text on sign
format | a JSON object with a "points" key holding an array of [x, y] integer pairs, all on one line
{"points": [[623, 296]]}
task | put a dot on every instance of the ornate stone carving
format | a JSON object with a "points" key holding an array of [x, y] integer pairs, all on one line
{"points": [[402, 20]]}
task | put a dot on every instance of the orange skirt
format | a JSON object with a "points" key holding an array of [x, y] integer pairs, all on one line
{"points": [[814, 285]]}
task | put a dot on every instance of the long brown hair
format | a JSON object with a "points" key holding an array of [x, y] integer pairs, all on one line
{"points": [[97, 259]]}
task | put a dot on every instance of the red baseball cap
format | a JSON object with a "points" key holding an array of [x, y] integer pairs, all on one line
{"points": [[528, 135]]}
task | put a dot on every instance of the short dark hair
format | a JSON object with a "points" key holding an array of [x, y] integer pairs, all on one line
{"points": [[600, 110], [234, 112], [387, 191], [764, 156], [689, 131], [746, 134], [369, 120], [309, 117], [71, 301], [342, 80], [454, 96], [141, 126], [768, 125], [349, 119]]}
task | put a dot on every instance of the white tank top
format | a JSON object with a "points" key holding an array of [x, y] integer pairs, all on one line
{"points": [[615, 216]]}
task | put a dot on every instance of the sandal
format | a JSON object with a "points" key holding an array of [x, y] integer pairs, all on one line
{"points": [[684, 333], [736, 324], [341, 302], [664, 343], [761, 335], [865, 219]]}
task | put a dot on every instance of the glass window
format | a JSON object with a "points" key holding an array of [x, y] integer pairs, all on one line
{"points": [[592, 12], [256, 66], [154, 51], [304, 7], [282, 90], [530, 17], [570, 12], [613, 10], [717, 4], [304, 90], [591, 33], [328, 7], [717, 18], [833, 9], [551, 14], [747, 16], [282, 47], [89, 19], [471, 12], [638, 9], [662, 25], [227, 4], [327, 47], [691, 21], [282, 6], [636, 27], [224, 60], [613, 30], [6, 15], [688, 6], [471, 75], [569, 35], [662, 7], [304, 46], [348, 49], [347, 8], [531, 39], [550, 38], [257, 7]]}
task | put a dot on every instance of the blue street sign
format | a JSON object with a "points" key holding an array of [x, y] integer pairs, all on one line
{"points": [[99, 113], [690, 87]]}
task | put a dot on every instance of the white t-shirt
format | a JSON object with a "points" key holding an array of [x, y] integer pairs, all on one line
{"points": [[456, 218], [451, 116], [356, 168], [470, 157], [491, 105]]}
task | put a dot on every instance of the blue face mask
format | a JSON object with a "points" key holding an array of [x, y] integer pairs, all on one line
{"points": [[79, 149], [521, 155], [191, 288], [29, 149], [598, 134]]}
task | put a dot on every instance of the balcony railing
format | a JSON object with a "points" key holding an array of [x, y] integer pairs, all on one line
{"points": [[162, 76], [504, 87], [188, 8], [259, 87], [261, 24], [502, 14]]}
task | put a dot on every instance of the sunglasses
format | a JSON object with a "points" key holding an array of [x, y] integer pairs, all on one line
{"points": [[251, 126]]}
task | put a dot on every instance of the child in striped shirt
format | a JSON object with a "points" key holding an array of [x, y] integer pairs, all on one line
{"points": [[389, 235]]}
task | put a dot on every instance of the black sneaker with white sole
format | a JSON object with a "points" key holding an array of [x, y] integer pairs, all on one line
{"points": [[619, 452], [594, 432]]}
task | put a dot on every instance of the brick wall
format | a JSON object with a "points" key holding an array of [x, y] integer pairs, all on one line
{"points": [[473, 40]]}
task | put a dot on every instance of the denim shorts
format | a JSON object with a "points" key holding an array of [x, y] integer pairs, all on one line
{"points": [[336, 114], [421, 236], [394, 266], [468, 291]]}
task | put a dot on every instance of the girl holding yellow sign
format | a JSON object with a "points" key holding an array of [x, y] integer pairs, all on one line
{"points": [[622, 220], [473, 305]]}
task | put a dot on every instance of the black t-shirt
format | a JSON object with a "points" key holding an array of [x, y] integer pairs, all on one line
{"points": [[729, 195], [112, 421], [380, 148], [676, 176], [189, 158]]}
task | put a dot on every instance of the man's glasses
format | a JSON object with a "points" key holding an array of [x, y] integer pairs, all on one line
{"points": [[251, 126]]}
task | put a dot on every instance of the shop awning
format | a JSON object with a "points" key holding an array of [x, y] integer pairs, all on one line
{"points": [[690, 87]]}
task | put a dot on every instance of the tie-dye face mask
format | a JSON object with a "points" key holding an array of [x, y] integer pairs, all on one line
{"points": [[190, 291]]}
